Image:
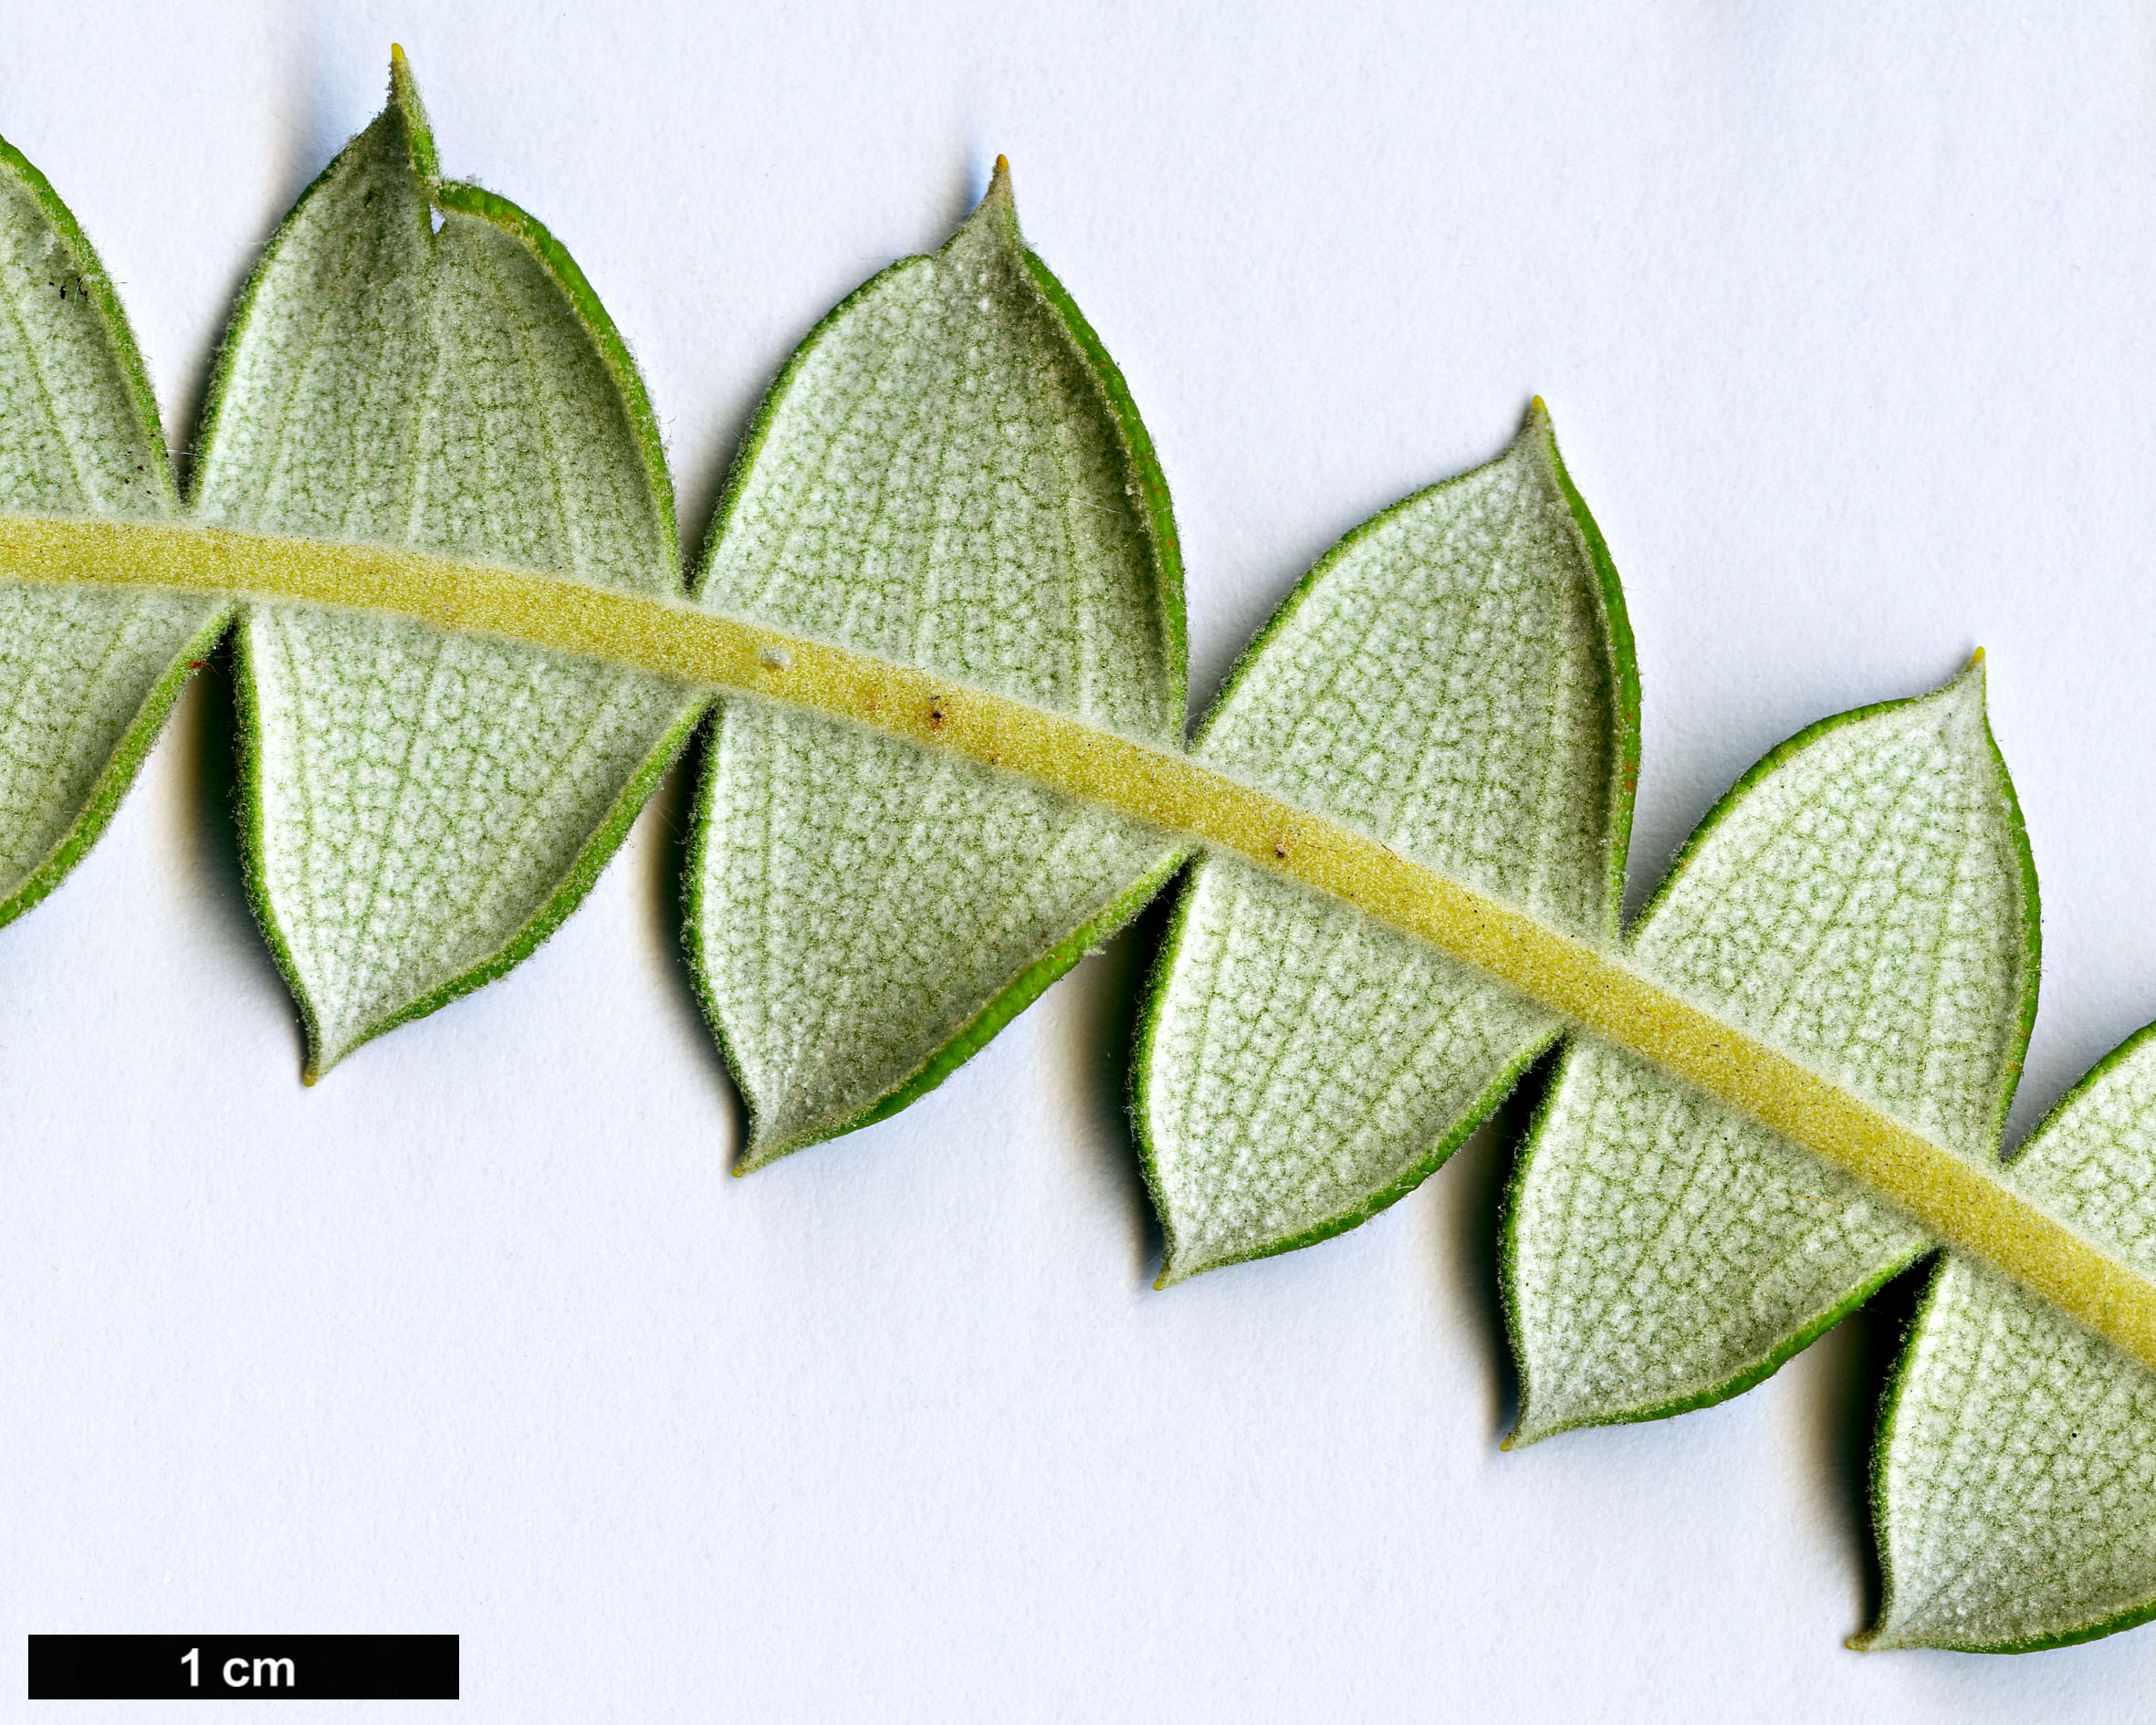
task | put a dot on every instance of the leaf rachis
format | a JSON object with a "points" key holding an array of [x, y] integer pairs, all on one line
{"points": [[1587, 984], [938, 628]]}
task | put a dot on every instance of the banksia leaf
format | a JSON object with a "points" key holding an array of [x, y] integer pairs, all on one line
{"points": [[416, 363], [949, 473], [942, 611], [1863, 900], [1456, 679], [2014, 1486], [89, 675]]}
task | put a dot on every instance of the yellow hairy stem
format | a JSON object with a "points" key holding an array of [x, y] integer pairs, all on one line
{"points": [[1966, 1206]]}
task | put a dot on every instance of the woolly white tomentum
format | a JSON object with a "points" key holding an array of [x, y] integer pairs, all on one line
{"points": [[2015, 1485], [1454, 679], [416, 364], [85, 677], [948, 474], [1863, 901]]}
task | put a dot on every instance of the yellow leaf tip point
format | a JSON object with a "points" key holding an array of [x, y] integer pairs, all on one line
{"points": [[998, 208], [404, 95]]}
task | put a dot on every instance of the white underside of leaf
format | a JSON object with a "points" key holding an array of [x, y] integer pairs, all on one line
{"points": [[839, 1002], [76, 668], [423, 800], [1305, 1060], [1444, 681], [429, 792], [1861, 907], [2017, 1483], [1669, 1247], [936, 479]]}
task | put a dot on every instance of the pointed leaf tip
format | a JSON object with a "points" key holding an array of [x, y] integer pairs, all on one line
{"points": [[999, 194], [419, 132], [1906, 806], [354, 288], [954, 378], [1348, 1023], [1969, 680]]}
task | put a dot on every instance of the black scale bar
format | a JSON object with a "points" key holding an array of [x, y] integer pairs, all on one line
{"points": [[243, 1668]]}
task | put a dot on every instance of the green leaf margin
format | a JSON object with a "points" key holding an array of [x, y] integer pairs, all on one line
{"points": [[2010, 1078], [1158, 517], [142, 731], [1625, 668], [1890, 1403], [606, 838]]}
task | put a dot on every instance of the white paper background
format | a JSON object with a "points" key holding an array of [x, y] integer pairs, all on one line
{"points": [[1844, 320]]}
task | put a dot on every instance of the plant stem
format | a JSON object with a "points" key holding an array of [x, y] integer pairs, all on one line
{"points": [[1967, 1207]]}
